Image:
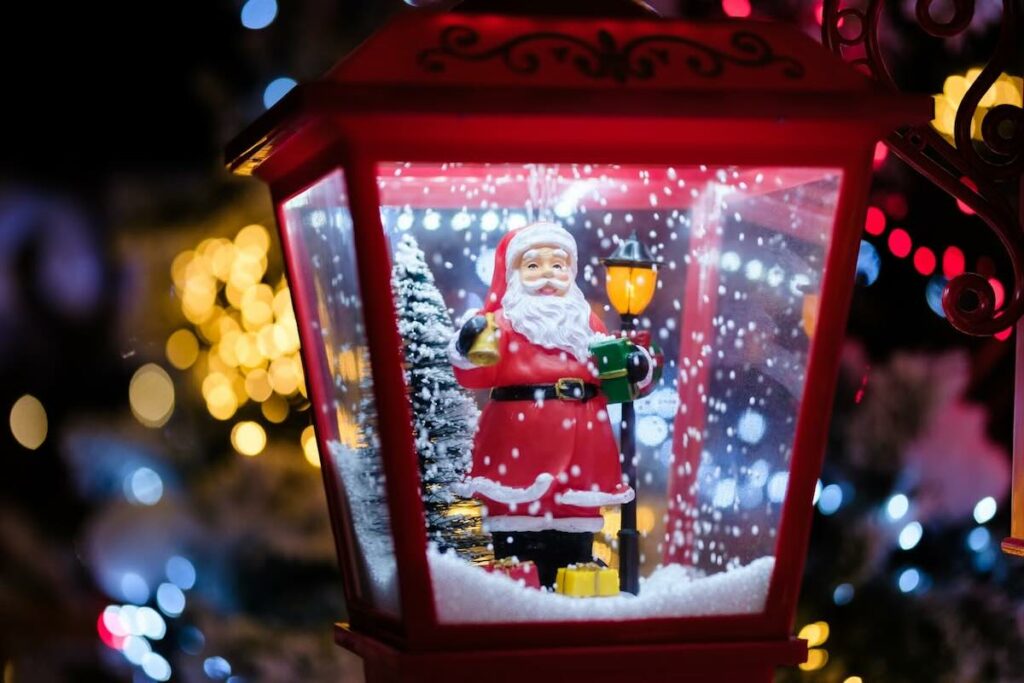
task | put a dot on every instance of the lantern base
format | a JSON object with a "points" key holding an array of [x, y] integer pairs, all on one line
{"points": [[749, 662], [1013, 546]]}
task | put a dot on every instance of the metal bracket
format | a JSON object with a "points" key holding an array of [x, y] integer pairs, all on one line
{"points": [[993, 166]]}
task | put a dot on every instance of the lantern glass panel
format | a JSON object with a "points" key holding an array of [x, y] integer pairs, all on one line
{"points": [[740, 252], [329, 302]]}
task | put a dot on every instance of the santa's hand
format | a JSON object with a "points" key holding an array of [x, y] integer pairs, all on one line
{"points": [[637, 366], [471, 329]]}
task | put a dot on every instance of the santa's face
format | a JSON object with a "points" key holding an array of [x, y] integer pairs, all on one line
{"points": [[544, 270], [545, 305]]}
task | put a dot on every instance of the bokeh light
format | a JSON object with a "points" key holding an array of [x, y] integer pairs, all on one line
{"points": [[182, 349], [277, 89], [248, 438], [900, 243], [257, 14], [151, 395], [28, 422], [874, 224], [924, 261], [869, 264], [953, 262], [309, 447], [985, 510], [143, 487]]}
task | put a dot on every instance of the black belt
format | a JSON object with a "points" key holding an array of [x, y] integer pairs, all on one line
{"points": [[566, 389]]}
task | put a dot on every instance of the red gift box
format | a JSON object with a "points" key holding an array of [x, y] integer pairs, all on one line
{"points": [[516, 570]]}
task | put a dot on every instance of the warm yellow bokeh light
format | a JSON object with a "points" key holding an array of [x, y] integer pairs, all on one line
{"points": [[612, 521], [248, 438], [284, 376], [257, 385], [816, 659], [1006, 90], [275, 409], [815, 634], [309, 447], [182, 349], [854, 679], [222, 402], [254, 237], [28, 422], [151, 395], [644, 519]]}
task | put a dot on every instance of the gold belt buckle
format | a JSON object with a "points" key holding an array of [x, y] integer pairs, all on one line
{"points": [[570, 389]]}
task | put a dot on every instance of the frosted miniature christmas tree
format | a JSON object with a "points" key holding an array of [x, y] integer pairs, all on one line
{"points": [[444, 415]]}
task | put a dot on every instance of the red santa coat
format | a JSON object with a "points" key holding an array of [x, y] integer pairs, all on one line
{"points": [[547, 464]]}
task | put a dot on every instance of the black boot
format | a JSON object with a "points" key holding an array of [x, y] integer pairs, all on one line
{"points": [[547, 549]]}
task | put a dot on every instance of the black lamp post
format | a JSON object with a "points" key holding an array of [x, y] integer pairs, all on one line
{"points": [[631, 278]]}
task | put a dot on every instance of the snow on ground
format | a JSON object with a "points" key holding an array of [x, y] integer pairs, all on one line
{"points": [[464, 593]]}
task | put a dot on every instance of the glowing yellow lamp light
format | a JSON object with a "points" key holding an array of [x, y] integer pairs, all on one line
{"points": [[632, 276]]}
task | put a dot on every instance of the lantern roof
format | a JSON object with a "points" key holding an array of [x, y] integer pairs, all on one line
{"points": [[471, 62]]}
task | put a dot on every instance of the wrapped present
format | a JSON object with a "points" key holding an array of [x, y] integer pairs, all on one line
{"points": [[611, 356], [587, 581], [514, 569]]}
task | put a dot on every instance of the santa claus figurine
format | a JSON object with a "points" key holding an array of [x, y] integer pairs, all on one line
{"points": [[545, 459]]}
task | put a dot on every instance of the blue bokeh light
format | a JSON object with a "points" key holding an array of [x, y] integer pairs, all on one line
{"points": [[843, 594], [933, 294], [909, 580], [978, 539], [830, 500], [217, 668], [869, 264], [257, 14], [181, 572], [277, 89]]}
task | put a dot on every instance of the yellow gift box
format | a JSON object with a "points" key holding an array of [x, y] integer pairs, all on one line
{"points": [[587, 581]]}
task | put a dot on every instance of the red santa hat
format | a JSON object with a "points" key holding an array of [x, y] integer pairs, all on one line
{"points": [[516, 243]]}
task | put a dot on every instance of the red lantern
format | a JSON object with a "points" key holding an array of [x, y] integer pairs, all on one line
{"points": [[740, 152]]}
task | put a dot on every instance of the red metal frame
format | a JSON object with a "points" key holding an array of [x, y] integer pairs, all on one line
{"points": [[378, 117]]}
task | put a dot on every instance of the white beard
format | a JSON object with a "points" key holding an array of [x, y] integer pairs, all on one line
{"points": [[550, 321]]}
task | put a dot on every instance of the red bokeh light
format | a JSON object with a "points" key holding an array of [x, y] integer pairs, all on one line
{"points": [[875, 223], [1004, 335], [963, 207], [108, 638], [924, 261], [736, 8], [881, 152], [952, 262], [896, 206], [819, 12], [900, 243], [999, 291]]}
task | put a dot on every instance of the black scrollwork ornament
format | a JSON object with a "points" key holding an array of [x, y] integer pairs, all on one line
{"points": [[604, 58]]}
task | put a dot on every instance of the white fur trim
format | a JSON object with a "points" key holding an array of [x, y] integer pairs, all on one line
{"points": [[501, 493], [526, 523], [593, 499], [536, 235]]}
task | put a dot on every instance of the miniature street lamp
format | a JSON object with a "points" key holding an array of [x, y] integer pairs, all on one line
{"points": [[480, 163], [631, 279]]}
